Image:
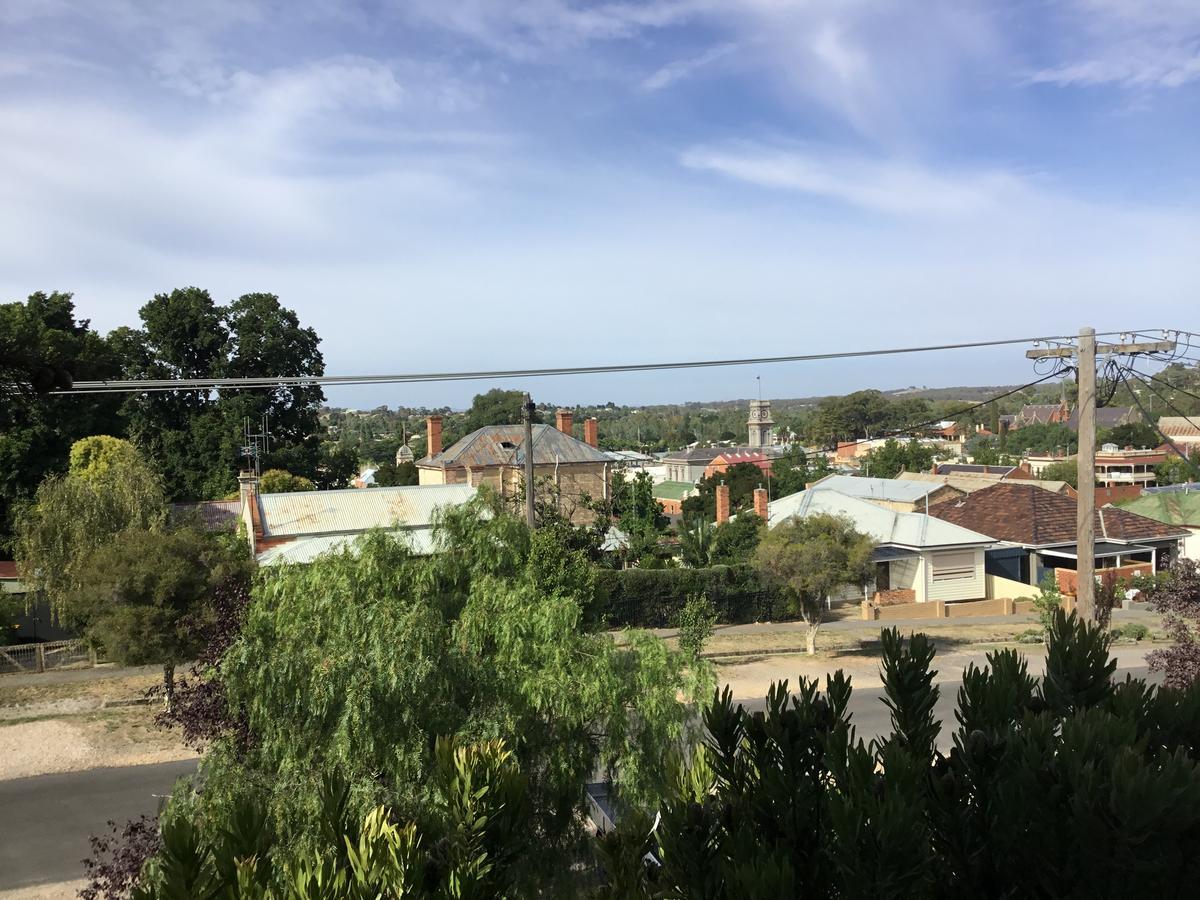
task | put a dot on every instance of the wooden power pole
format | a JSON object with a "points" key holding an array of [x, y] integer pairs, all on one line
{"points": [[1085, 517], [527, 414]]}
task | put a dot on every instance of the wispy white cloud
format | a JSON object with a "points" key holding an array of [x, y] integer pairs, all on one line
{"points": [[877, 185], [1141, 44], [680, 69]]}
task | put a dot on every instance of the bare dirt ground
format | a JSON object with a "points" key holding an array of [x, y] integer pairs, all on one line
{"points": [[64, 890], [53, 726]]}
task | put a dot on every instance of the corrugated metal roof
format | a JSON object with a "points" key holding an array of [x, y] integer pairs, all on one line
{"points": [[306, 549], [1180, 426], [887, 526], [673, 490], [977, 481], [1171, 507], [357, 509], [504, 445], [889, 489], [212, 515]]}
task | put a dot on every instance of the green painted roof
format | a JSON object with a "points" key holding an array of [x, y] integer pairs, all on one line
{"points": [[673, 490], [1172, 507]]}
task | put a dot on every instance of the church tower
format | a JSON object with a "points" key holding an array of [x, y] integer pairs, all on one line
{"points": [[760, 423]]}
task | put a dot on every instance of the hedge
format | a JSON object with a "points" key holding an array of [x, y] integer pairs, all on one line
{"points": [[652, 598]]}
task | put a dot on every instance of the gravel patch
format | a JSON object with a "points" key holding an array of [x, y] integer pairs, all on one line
{"points": [[63, 890]]}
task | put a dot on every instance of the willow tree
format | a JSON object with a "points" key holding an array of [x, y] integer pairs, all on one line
{"points": [[357, 662], [109, 488]]}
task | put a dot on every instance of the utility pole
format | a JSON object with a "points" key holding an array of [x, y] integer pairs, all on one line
{"points": [[1085, 518], [1085, 512], [527, 410]]}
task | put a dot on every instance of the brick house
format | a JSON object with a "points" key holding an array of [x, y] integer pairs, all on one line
{"points": [[1035, 529], [728, 458], [495, 456]]}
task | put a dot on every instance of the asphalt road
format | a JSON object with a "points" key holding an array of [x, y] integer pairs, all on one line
{"points": [[45, 821]]}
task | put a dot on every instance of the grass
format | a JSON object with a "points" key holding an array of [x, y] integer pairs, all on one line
{"points": [[28, 692]]}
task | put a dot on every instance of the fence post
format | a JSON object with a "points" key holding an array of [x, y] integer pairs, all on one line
{"points": [[92, 656], [40, 655]]}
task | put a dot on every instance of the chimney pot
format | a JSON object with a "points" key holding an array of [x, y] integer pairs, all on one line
{"points": [[564, 420], [433, 435]]}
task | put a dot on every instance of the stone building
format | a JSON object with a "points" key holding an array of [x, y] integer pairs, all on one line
{"points": [[495, 456]]}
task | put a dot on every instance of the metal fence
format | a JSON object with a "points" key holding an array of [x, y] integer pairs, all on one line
{"points": [[45, 656]]}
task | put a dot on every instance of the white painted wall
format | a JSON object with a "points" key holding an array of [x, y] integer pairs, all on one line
{"points": [[972, 585]]}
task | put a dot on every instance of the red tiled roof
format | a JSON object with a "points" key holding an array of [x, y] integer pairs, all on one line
{"points": [[1027, 514], [8, 568]]}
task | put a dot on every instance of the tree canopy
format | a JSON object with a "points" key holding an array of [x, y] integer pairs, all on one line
{"points": [[892, 458], [357, 662], [390, 474], [1064, 470], [73, 515], [742, 478], [281, 481]]}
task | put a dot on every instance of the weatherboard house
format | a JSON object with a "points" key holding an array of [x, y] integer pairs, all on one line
{"points": [[918, 558]]}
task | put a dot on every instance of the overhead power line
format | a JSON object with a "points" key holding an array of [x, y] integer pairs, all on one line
{"points": [[207, 384], [1150, 420]]}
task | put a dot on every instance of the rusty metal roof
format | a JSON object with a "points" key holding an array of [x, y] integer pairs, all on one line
{"points": [[357, 509], [211, 515], [504, 445]]}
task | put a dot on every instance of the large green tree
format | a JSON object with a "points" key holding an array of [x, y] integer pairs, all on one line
{"points": [[808, 560], [357, 662], [73, 515], [893, 457], [496, 407], [197, 436], [43, 345], [741, 478], [143, 595]]}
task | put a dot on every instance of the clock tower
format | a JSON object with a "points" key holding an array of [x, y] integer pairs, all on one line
{"points": [[760, 423]]}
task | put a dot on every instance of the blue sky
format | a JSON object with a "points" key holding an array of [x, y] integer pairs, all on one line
{"points": [[441, 185]]}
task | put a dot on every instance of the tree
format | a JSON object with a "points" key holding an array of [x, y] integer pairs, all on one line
{"points": [[1177, 470], [1064, 470], [142, 593], [1178, 602], [742, 478], [1036, 797], [356, 662], [336, 467], [281, 481], [73, 515], [794, 471], [389, 474], [196, 436], [1131, 434], [892, 458], [734, 542], [809, 560], [37, 428], [497, 407]]}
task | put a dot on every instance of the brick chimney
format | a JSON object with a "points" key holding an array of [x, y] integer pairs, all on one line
{"points": [[248, 495], [433, 435], [722, 503], [564, 420], [933, 469], [760, 503], [591, 433]]}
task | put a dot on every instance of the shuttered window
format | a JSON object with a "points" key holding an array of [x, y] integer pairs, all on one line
{"points": [[956, 566]]}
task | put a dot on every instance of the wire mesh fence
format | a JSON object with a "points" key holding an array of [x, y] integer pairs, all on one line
{"points": [[45, 657]]}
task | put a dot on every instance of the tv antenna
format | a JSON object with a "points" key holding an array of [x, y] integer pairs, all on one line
{"points": [[257, 444]]}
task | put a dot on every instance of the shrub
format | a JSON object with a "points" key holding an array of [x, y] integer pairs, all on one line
{"points": [[696, 621], [1134, 631], [1048, 599], [654, 598]]}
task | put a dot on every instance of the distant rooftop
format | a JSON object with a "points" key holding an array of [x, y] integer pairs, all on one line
{"points": [[889, 489]]}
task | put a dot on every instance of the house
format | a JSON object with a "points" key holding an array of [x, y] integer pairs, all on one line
{"points": [[969, 482], [32, 621], [1182, 430], [366, 477], [671, 494], [209, 515], [891, 493], [1115, 466], [495, 456], [300, 526], [728, 458], [1040, 414], [918, 558], [1177, 508], [689, 464], [1036, 529]]}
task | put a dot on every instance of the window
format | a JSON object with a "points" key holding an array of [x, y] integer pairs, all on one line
{"points": [[957, 566]]}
